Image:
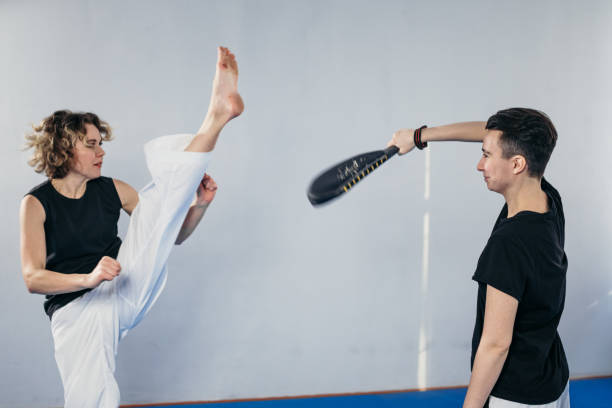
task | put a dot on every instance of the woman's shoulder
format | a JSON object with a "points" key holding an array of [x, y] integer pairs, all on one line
{"points": [[41, 193], [33, 207], [107, 187], [106, 184], [127, 195], [42, 188], [101, 181]]}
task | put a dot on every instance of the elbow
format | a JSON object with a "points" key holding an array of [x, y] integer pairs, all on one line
{"points": [[30, 280], [496, 346], [30, 286], [501, 348]]}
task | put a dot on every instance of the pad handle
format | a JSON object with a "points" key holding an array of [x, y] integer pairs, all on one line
{"points": [[391, 150]]}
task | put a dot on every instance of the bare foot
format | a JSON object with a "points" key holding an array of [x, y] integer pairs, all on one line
{"points": [[225, 101]]}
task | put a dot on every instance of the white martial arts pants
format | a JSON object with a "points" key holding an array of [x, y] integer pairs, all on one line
{"points": [[562, 402], [86, 332]]}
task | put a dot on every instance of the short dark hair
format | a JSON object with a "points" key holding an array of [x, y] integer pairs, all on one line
{"points": [[526, 132]]}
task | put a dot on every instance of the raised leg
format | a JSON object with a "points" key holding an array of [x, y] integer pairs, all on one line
{"points": [[225, 103], [177, 164]]}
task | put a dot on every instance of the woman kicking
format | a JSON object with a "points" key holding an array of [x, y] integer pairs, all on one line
{"points": [[97, 287]]}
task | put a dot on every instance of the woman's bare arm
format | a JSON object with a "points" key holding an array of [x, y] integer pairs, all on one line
{"points": [[34, 255]]}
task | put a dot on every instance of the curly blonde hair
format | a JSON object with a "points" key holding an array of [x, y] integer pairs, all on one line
{"points": [[54, 139]]}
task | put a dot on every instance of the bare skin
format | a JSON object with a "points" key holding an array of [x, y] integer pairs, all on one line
{"points": [[461, 132], [508, 177], [204, 196], [225, 104]]}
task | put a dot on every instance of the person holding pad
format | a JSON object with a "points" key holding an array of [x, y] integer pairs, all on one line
{"points": [[517, 355]]}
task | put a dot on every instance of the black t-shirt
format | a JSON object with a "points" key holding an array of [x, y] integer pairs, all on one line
{"points": [[525, 259], [78, 232]]}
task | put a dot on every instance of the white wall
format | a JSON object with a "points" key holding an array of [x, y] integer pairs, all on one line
{"points": [[270, 296]]}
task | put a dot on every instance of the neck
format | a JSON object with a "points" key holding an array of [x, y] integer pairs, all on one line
{"points": [[526, 195], [71, 186]]}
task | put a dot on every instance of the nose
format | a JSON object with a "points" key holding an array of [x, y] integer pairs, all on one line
{"points": [[100, 151], [480, 165]]}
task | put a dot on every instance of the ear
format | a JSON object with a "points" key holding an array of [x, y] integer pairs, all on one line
{"points": [[519, 164]]}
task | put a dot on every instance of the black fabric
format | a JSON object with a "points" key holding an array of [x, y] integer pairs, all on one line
{"points": [[78, 232], [525, 259]]}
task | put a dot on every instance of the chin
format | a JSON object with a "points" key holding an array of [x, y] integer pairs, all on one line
{"points": [[490, 187], [495, 190]]}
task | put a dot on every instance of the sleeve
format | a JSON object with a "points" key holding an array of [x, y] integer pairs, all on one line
{"points": [[504, 264]]}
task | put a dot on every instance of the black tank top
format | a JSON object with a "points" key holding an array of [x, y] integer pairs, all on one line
{"points": [[78, 232]]}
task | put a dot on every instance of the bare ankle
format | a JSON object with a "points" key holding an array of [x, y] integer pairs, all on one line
{"points": [[214, 122]]}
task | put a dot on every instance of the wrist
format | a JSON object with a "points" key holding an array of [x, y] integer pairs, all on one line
{"points": [[202, 205], [83, 281], [418, 138]]}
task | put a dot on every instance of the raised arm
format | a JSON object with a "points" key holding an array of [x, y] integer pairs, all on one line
{"points": [[461, 132], [34, 254]]}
